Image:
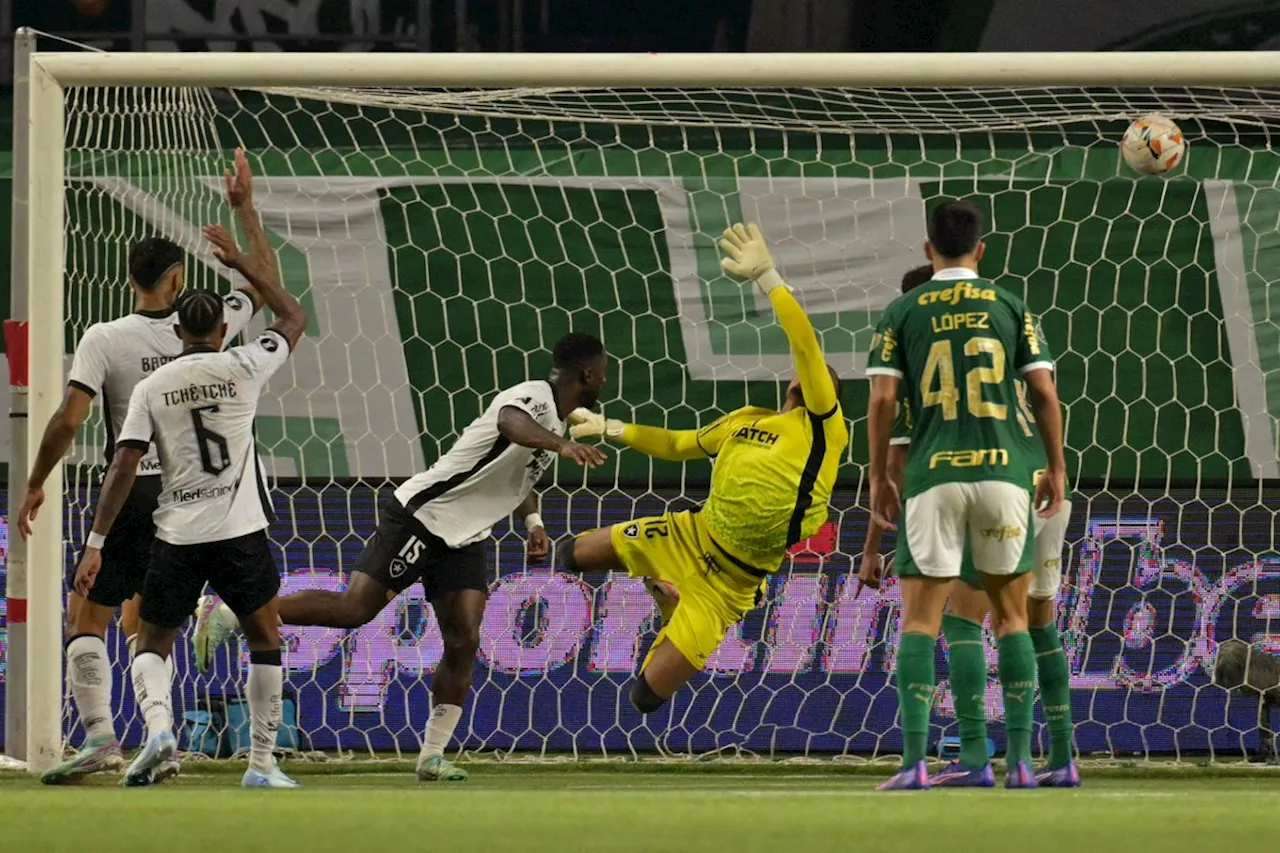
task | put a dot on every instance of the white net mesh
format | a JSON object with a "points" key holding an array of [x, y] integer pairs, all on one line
{"points": [[442, 239]]}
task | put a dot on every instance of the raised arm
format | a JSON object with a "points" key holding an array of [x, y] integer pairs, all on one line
{"points": [[747, 256], [815, 379], [239, 188], [259, 266]]}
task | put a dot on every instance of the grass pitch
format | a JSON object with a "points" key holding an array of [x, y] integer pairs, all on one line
{"points": [[603, 810]]}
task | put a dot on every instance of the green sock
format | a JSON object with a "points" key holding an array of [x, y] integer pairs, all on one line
{"points": [[1018, 681], [1055, 692], [915, 694], [968, 667]]}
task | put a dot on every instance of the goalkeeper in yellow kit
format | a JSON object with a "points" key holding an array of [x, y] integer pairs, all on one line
{"points": [[773, 475]]}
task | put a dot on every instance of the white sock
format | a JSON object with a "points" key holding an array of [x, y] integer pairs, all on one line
{"points": [[131, 642], [152, 688], [266, 684], [444, 719], [89, 672]]}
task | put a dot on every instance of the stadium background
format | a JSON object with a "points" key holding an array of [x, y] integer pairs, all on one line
{"points": [[1171, 548]]}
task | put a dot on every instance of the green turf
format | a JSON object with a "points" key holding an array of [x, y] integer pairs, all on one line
{"points": [[535, 810]]}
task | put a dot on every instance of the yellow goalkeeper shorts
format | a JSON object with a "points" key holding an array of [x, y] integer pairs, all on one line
{"points": [[715, 593]]}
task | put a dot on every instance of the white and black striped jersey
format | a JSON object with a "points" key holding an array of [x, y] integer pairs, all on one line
{"points": [[199, 410], [113, 357], [483, 477]]}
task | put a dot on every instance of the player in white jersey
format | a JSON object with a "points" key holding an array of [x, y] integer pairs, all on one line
{"points": [[434, 529], [110, 360], [213, 508]]}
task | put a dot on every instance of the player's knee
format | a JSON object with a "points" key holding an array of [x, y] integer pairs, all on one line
{"points": [[356, 613], [590, 552], [643, 697], [362, 600], [568, 555], [462, 643], [967, 602], [154, 639], [1040, 610], [261, 630], [91, 618]]}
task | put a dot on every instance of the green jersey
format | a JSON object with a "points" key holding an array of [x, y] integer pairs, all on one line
{"points": [[959, 345], [903, 425]]}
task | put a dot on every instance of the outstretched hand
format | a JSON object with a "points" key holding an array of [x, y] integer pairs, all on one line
{"points": [[584, 423], [224, 246], [746, 252], [584, 455], [239, 185]]}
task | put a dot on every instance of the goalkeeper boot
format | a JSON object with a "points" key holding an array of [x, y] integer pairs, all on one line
{"points": [[1063, 777], [161, 748], [915, 778], [1020, 777], [437, 768], [276, 778], [956, 775], [97, 755], [215, 623]]}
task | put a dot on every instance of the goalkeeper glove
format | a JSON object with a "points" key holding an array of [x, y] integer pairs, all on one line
{"points": [[584, 423], [747, 256]]}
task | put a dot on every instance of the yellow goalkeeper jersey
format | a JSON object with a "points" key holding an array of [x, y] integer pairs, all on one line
{"points": [[772, 481], [774, 471]]}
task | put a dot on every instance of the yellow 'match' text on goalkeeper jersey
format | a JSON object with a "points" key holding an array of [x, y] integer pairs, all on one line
{"points": [[774, 471], [772, 479]]}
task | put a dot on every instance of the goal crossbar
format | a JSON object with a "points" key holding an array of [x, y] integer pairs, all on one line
{"points": [[610, 70]]}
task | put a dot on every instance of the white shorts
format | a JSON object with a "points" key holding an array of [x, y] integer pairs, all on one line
{"points": [[991, 517], [1051, 533]]}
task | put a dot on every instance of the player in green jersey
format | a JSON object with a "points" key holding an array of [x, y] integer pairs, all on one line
{"points": [[967, 606], [956, 346]]}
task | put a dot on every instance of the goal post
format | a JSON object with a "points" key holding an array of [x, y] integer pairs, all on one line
{"points": [[499, 200]]}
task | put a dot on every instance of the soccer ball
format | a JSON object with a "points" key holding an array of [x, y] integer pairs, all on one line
{"points": [[1153, 145]]}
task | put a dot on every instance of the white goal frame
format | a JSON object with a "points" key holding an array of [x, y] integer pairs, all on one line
{"points": [[40, 132]]}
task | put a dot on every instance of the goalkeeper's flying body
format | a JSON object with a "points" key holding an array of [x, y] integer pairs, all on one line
{"points": [[769, 489]]}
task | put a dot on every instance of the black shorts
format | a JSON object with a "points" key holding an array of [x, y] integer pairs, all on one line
{"points": [[241, 571], [402, 552], [127, 551]]}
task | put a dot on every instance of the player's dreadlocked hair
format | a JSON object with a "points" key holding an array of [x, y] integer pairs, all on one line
{"points": [[199, 312], [916, 277], [576, 350], [955, 228], [151, 258]]}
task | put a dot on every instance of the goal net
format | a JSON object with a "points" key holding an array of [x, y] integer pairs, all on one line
{"points": [[442, 239]]}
